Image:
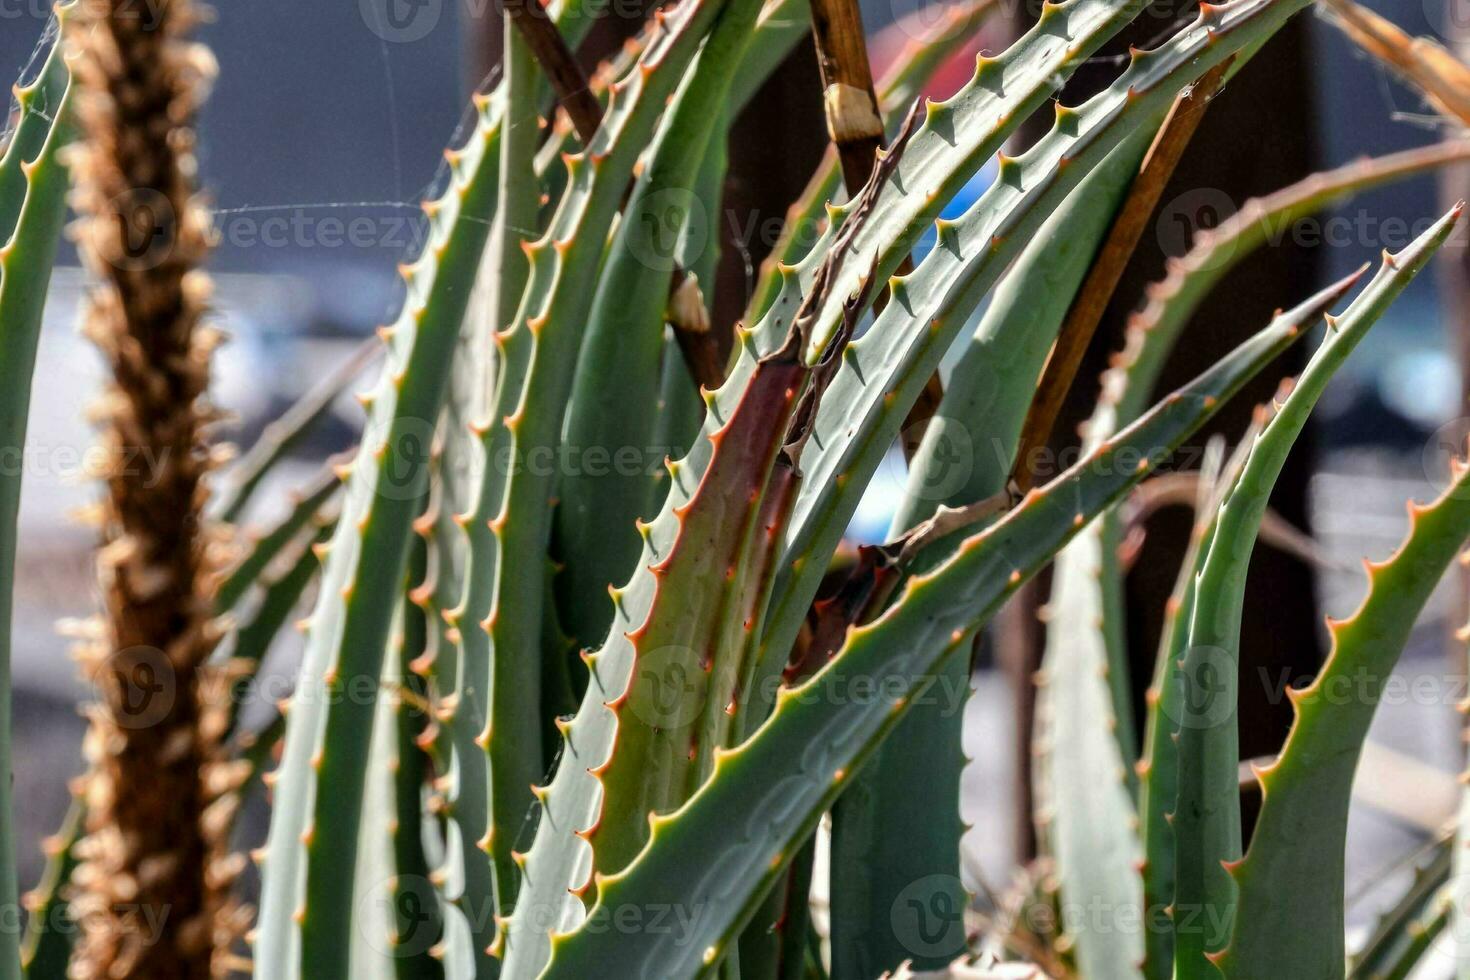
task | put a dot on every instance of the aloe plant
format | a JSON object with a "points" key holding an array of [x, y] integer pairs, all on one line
{"points": [[32, 209], [587, 663]]}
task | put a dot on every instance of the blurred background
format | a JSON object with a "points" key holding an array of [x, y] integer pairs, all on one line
{"points": [[324, 133]]}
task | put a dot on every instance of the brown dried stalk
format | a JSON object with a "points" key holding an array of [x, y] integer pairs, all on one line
{"points": [[855, 123], [848, 96], [1422, 62], [1102, 279], [552, 52], [687, 311], [153, 884], [1182, 489]]}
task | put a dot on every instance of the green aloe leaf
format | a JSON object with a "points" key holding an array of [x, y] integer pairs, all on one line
{"points": [[1158, 769], [1214, 252], [554, 865], [516, 221], [783, 24], [33, 185], [1300, 836], [455, 688], [960, 134], [398, 925], [306, 907], [1151, 335], [280, 596], [647, 683], [417, 910], [712, 860], [884, 371], [1410, 946], [614, 410], [1394, 932], [1087, 812], [878, 854], [1206, 820], [286, 432], [1290, 905], [557, 861], [266, 547], [50, 929], [1094, 616], [910, 71], [502, 614]]}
